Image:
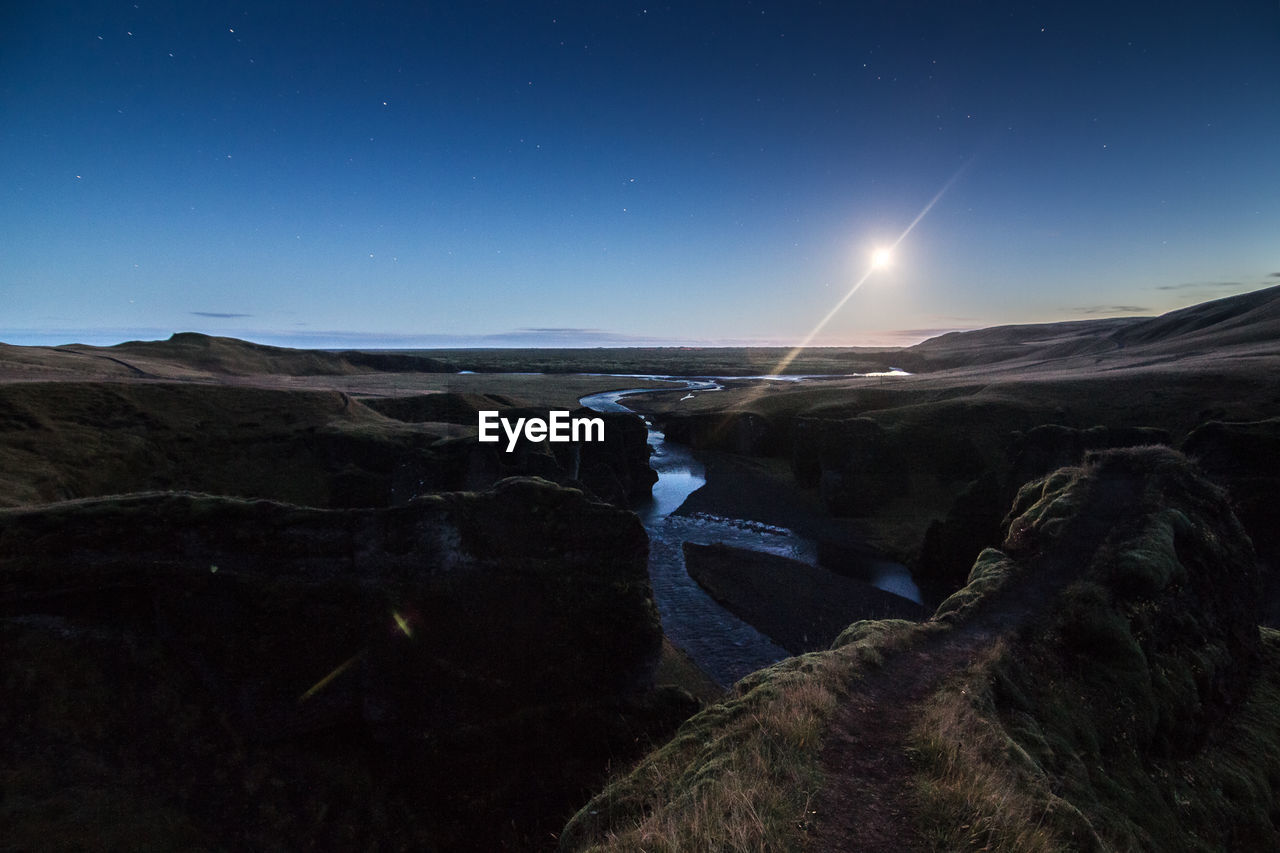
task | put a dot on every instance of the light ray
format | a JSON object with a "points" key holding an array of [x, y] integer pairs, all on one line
{"points": [[324, 682], [791, 356], [403, 624]]}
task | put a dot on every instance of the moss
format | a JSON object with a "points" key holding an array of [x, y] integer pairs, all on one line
{"points": [[991, 571], [741, 774], [1130, 718], [874, 634]]}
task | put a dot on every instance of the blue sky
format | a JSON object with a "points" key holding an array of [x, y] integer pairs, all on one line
{"points": [[413, 174]]}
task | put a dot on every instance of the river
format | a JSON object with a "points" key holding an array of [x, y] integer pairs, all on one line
{"points": [[724, 646]]}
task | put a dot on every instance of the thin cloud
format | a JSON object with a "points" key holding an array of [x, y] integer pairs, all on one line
{"points": [[1113, 309], [559, 330], [217, 315], [1188, 285]]}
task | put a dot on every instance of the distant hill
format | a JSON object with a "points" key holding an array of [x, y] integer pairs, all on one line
{"points": [[1243, 325], [239, 358], [1245, 319], [1249, 322]]}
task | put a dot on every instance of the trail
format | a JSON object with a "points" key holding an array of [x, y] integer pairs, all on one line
{"points": [[869, 802], [138, 371]]}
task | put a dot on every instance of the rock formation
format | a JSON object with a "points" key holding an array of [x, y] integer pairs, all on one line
{"points": [[1101, 683], [61, 440], [263, 675]]}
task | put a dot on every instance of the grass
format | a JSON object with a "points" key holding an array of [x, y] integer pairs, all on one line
{"points": [[998, 779], [741, 775], [1129, 710], [1122, 721]]}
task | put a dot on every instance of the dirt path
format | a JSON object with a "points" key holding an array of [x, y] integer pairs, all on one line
{"points": [[869, 803], [137, 371]]}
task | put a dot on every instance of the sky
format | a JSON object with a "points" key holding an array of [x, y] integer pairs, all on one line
{"points": [[388, 174]]}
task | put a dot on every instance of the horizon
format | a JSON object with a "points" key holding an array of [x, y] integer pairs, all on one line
{"points": [[551, 175], [517, 339], [521, 339]]}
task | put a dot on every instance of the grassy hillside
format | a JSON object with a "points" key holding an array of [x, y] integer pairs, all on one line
{"points": [[61, 440], [1099, 684]]}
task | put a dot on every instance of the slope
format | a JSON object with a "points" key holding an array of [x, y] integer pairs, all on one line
{"points": [[1099, 684]]}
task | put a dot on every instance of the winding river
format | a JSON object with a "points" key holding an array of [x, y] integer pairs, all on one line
{"points": [[724, 646]]}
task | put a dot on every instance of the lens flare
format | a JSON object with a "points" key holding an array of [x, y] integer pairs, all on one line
{"points": [[403, 624], [324, 682], [879, 259]]}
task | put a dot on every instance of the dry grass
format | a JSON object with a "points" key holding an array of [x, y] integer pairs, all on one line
{"points": [[979, 789], [742, 775]]}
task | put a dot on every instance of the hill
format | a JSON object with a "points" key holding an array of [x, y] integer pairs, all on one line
{"points": [[190, 356], [1246, 324]]}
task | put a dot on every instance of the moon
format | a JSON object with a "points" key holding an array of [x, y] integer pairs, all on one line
{"points": [[881, 258]]}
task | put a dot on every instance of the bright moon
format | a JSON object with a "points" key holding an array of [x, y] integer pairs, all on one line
{"points": [[881, 258]]}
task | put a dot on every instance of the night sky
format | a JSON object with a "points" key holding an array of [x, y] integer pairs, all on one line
{"points": [[610, 173]]}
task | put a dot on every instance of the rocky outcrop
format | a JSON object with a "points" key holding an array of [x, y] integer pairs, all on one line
{"points": [[615, 470], [64, 440], [976, 516], [856, 463], [801, 607], [1244, 458], [1135, 707], [1100, 683], [735, 432], [1051, 446], [304, 676]]}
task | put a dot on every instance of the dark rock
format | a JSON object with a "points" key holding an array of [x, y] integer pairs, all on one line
{"points": [[562, 579], [951, 544], [1051, 446], [862, 465], [974, 519], [1244, 458], [735, 432], [65, 440], [404, 672], [1166, 613], [615, 470], [801, 607]]}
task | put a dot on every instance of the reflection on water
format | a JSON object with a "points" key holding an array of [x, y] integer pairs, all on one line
{"points": [[724, 646], [894, 578], [679, 475]]}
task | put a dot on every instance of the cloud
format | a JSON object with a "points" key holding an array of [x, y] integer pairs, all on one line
{"points": [[1188, 285], [570, 330], [1113, 309], [219, 315]]}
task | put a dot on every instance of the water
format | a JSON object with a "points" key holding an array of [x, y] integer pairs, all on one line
{"points": [[724, 646]]}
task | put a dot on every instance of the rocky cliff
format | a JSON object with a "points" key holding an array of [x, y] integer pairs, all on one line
{"points": [[207, 671], [65, 440]]}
